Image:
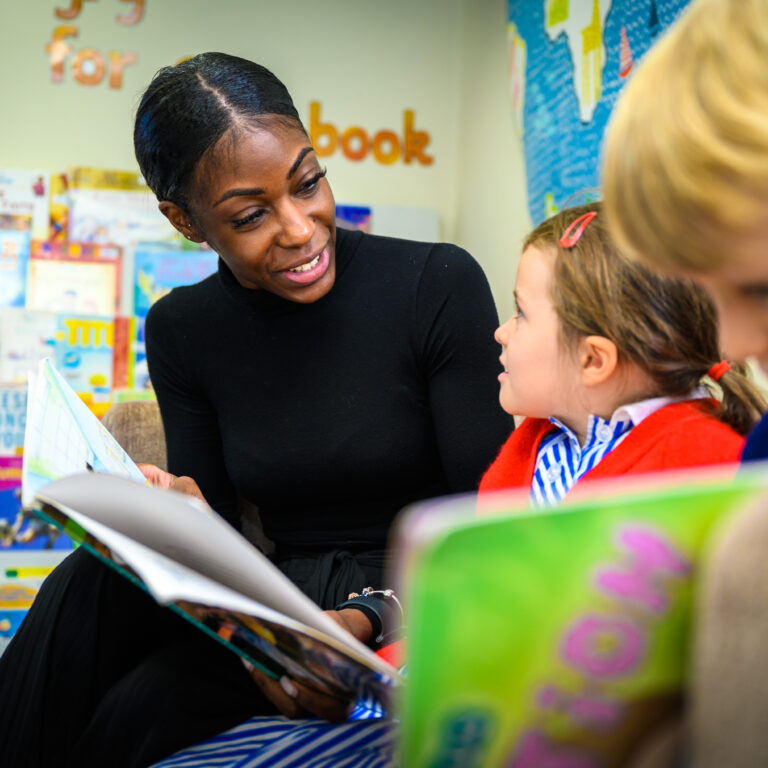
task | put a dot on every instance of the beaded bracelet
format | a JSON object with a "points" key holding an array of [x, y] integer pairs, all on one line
{"points": [[372, 602]]}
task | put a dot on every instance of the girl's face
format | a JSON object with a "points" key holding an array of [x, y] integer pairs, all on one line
{"points": [[263, 204], [539, 378]]}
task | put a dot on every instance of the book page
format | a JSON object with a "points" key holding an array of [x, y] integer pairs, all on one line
{"points": [[189, 532], [171, 582]]}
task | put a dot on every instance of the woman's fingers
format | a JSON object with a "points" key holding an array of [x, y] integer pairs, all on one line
{"points": [[156, 476], [277, 694], [319, 704], [162, 479], [296, 700], [186, 485]]}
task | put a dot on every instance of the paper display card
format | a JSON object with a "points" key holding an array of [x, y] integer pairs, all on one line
{"points": [[80, 278], [14, 262], [555, 637], [24, 193], [157, 268], [26, 337]]}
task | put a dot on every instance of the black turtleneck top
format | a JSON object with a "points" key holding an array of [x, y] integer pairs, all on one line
{"points": [[332, 416]]}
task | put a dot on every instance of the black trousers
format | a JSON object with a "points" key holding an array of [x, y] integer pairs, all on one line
{"points": [[100, 675]]}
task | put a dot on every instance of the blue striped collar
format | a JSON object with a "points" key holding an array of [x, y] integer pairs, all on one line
{"points": [[561, 460]]}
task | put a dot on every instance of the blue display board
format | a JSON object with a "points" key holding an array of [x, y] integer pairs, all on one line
{"points": [[568, 60]]}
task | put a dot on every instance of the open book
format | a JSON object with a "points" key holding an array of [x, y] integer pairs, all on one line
{"points": [[177, 548]]}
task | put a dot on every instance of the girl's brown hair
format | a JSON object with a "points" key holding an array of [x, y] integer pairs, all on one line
{"points": [[667, 326]]}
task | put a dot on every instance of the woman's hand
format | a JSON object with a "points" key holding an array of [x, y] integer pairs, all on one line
{"points": [[159, 478], [296, 700], [293, 699]]}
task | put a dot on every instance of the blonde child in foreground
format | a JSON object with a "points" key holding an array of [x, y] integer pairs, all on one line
{"points": [[686, 189], [608, 362]]}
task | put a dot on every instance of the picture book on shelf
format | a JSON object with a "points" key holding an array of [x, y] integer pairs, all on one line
{"points": [[13, 416], [77, 477], [24, 193], [22, 572], [94, 353], [59, 207], [29, 547], [159, 267], [20, 530], [26, 337], [561, 636], [14, 261], [82, 278]]}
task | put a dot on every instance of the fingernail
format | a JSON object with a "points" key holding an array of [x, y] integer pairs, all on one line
{"points": [[288, 686]]}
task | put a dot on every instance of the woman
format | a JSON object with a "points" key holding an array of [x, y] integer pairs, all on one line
{"points": [[328, 377]]}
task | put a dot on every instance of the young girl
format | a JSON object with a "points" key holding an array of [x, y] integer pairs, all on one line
{"points": [[605, 359]]}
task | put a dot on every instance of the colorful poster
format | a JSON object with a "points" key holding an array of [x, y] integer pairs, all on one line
{"points": [[24, 194], [568, 60], [14, 261], [80, 278], [158, 268], [555, 638]]}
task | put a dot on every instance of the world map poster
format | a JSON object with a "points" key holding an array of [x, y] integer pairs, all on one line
{"points": [[568, 61]]}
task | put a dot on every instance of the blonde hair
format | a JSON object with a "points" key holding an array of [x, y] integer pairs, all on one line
{"points": [[665, 325], [686, 153]]}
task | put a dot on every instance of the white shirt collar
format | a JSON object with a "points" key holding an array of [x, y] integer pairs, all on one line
{"points": [[642, 409]]}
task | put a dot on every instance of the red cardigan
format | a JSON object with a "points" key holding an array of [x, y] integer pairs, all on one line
{"points": [[679, 435]]}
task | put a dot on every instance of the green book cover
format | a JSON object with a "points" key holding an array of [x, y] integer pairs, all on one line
{"points": [[557, 638]]}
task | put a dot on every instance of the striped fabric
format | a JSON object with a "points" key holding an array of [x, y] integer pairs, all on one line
{"points": [[278, 742], [561, 461], [366, 740]]}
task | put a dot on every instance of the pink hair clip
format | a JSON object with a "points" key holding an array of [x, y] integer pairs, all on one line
{"points": [[576, 229]]}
